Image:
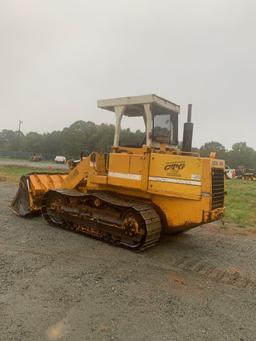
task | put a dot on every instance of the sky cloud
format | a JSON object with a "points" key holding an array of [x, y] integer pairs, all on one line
{"points": [[58, 57]]}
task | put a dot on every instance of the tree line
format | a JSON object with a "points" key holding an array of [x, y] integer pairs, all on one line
{"points": [[71, 142], [239, 155], [87, 137]]}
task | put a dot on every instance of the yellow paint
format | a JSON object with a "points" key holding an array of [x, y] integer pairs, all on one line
{"points": [[179, 185]]}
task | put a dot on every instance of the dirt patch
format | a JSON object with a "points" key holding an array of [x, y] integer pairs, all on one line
{"points": [[57, 285]]}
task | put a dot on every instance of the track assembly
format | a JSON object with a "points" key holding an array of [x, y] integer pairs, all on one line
{"points": [[121, 221]]}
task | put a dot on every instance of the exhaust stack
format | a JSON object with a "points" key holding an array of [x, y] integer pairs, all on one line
{"points": [[188, 132]]}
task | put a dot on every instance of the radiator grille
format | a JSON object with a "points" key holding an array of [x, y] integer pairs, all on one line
{"points": [[217, 188]]}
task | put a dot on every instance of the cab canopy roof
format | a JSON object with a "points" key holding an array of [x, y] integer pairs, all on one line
{"points": [[134, 105]]}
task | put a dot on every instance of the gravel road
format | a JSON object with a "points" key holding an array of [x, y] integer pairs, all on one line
{"points": [[57, 285], [27, 163]]}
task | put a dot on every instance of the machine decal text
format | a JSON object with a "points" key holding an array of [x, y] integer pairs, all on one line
{"points": [[175, 166]]}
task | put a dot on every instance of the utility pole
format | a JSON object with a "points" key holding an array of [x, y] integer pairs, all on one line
{"points": [[18, 142]]}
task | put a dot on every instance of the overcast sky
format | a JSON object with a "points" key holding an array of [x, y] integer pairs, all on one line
{"points": [[58, 57]]}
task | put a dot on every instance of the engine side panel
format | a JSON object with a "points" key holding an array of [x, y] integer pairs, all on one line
{"points": [[175, 176]]}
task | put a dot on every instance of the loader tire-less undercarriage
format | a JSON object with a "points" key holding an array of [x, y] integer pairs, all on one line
{"points": [[118, 220]]}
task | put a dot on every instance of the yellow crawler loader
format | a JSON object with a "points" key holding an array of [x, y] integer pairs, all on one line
{"points": [[134, 194]]}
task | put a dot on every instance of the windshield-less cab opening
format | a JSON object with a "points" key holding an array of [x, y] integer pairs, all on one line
{"points": [[132, 132]]}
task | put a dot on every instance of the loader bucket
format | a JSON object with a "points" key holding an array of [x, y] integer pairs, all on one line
{"points": [[20, 203], [32, 187]]}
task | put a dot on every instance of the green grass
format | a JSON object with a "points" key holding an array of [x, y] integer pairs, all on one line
{"points": [[241, 203], [13, 173]]}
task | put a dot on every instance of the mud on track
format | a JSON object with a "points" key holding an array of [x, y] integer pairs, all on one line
{"points": [[57, 285]]}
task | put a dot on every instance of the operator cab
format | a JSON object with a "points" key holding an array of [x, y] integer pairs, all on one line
{"points": [[165, 129], [160, 118]]}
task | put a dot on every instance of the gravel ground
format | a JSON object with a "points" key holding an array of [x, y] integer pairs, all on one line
{"points": [[57, 285]]}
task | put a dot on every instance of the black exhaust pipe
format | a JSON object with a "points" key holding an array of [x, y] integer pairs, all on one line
{"points": [[188, 132]]}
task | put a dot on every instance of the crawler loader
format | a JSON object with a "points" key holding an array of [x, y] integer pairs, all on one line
{"points": [[134, 194]]}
